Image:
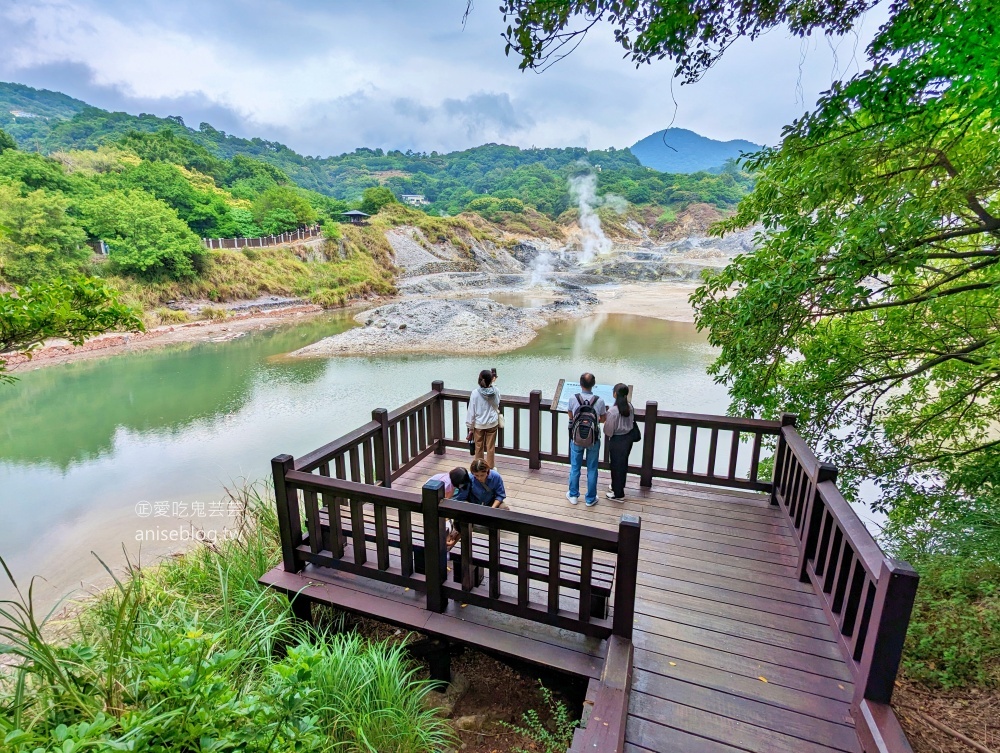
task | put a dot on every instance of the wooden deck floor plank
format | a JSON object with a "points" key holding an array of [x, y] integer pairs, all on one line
{"points": [[646, 735], [650, 574], [742, 666], [753, 688], [835, 734], [658, 589], [719, 728], [662, 601], [660, 633], [819, 644]]}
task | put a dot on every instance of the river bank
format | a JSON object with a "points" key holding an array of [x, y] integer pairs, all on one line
{"points": [[667, 301]]}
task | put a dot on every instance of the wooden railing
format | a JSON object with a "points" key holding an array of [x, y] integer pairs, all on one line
{"points": [[716, 450], [866, 595], [307, 538]]}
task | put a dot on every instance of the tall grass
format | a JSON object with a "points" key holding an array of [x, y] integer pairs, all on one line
{"points": [[194, 655]]}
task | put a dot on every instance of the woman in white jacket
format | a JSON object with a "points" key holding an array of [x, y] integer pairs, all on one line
{"points": [[483, 417]]}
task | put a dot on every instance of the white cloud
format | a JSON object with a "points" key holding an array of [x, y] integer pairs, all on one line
{"points": [[327, 78]]}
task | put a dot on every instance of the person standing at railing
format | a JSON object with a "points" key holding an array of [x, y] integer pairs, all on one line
{"points": [[622, 433], [586, 412], [483, 417], [486, 489]]}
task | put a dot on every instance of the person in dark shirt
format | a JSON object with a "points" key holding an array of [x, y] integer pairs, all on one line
{"points": [[486, 488]]}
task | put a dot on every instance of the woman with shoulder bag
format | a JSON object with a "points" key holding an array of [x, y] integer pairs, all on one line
{"points": [[483, 417], [622, 432]]}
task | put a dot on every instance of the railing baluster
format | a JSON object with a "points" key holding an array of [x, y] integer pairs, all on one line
{"points": [[586, 584], [455, 433], [852, 602], [381, 537], [405, 542], [411, 425], [857, 643], [356, 465], [358, 531], [843, 574], [517, 428], [671, 447], [555, 569], [755, 457], [369, 462], [394, 446], [692, 443], [312, 521], [555, 432], [324, 469], [713, 447], [494, 562], [422, 423], [734, 454], [336, 542], [523, 560], [830, 568], [468, 577]]}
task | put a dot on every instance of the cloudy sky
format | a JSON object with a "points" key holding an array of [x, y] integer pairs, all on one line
{"points": [[327, 76]]}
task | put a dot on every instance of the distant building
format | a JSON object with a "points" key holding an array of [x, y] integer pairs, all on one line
{"points": [[356, 217], [23, 114], [414, 199]]}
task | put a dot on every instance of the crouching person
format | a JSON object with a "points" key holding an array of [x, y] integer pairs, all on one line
{"points": [[485, 489]]}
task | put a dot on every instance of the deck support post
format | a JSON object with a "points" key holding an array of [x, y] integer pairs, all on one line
{"points": [[787, 419], [813, 517], [287, 504], [628, 571], [437, 652], [301, 607], [648, 444], [437, 418], [535, 429], [435, 550], [897, 588], [383, 467]]}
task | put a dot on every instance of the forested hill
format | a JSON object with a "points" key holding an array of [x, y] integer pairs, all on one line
{"points": [[51, 122], [681, 151]]}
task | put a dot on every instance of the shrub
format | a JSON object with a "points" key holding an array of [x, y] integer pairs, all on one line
{"points": [[553, 738], [954, 633], [195, 656]]}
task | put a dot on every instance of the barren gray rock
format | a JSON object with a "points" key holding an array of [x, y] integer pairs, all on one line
{"points": [[439, 326]]}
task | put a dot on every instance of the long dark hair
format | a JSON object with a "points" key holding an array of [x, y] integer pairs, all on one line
{"points": [[621, 399], [485, 378]]}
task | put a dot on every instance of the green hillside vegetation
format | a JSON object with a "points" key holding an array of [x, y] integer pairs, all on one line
{"points": [[151, 198], [537, 177]]}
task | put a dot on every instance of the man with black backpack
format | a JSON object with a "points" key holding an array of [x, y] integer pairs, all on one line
{"points": [[586, 414]]}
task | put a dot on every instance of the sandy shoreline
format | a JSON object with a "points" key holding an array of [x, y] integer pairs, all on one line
{"points": [[656, 300]]}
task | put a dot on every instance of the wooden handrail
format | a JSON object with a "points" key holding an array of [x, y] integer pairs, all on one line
{"points": [[312, 460], [394, 498], [867, 596]]}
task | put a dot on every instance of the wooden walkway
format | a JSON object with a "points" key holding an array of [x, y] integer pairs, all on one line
{"points": [[732, 651]]}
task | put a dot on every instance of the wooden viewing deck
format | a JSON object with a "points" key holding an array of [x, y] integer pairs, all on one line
{"points": [[746, 614]]}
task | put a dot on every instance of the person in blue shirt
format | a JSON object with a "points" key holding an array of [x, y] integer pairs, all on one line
{"points": [[486, 487]]}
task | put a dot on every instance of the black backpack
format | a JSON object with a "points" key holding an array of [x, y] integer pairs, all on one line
{"points": [[585, 424]]}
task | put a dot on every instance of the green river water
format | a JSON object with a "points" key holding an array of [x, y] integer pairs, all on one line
{"points": [[137, 448]]}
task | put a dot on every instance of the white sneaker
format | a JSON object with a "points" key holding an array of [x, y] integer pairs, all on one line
{"points": [[572, 500], [611, 495]]}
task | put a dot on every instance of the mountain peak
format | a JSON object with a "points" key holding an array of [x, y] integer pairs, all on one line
{"points": [[678, 150]]}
